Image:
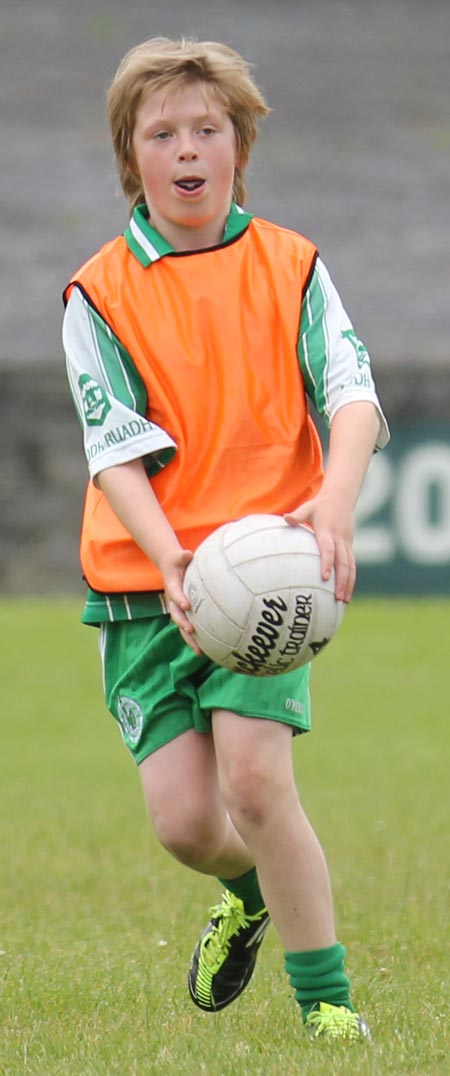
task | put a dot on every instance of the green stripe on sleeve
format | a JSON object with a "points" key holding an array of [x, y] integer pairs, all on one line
{"points": [[119, 370], [314, 344], [73, 386]]}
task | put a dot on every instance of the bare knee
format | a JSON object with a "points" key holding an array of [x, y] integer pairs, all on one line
{"points": [[179, 783], [189, 835]]}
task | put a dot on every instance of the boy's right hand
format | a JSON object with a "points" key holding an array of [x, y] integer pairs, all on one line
{"points": [[134, 502], [172, 570]]}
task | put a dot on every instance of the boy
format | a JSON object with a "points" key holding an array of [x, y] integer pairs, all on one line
{"points": [[192, 342]]}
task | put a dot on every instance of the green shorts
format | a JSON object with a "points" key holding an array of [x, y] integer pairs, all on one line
{"points": [[157, 688]]}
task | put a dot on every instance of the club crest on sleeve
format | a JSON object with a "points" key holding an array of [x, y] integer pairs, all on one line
{"points": [[362, 356], [94, 399]]}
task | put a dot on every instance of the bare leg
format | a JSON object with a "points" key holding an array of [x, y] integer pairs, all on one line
{"points": [[254, 759], [186, 808]]}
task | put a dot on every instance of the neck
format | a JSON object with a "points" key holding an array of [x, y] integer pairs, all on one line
{"points": [[184, 238]]}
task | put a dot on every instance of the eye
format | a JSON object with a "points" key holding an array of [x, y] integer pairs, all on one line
{"points": [[161, 136], [207, 130]]}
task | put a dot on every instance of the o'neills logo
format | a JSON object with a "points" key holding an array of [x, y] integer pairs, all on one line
{"points": [[271, 630]]}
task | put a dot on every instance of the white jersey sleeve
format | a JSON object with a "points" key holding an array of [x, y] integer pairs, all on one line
{"points": [[335, 364], [109, 395]]}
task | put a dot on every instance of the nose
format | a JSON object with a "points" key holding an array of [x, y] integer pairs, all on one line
{"points": [[186, 148]]}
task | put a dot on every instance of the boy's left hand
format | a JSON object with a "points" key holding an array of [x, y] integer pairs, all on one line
{"points": [[332, 519]]}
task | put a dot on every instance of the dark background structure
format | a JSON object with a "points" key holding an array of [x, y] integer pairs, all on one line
{"points": [[356, 154]]}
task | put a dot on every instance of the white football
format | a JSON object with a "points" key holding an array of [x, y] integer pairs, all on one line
{"points": [[259, 605]]}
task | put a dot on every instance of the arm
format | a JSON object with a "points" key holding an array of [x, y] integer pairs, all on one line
{"points": [[109, 395], [131, 497], [110, 398], [338, 379], [334, 362], [353, 434]]}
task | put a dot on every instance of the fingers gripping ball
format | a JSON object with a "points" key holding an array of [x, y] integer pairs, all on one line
{"points": [[259, 605]]}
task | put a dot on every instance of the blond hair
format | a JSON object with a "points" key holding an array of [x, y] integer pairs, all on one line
{"points": [[162, 64]]}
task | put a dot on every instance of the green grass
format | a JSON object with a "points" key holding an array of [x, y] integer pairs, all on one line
{"points": [[97, 923]]}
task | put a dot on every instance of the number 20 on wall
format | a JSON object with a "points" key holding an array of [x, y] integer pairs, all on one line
{"points": [[404, 506]]}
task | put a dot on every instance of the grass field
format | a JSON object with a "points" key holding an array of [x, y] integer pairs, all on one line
{"points": [[97, 923]]}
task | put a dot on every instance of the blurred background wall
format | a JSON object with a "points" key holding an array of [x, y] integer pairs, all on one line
{"points": [[356, 155]]}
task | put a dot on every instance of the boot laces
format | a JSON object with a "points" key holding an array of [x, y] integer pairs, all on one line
{"points": [[231, 919]]}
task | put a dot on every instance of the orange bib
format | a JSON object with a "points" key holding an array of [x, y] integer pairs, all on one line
{"points": [[214, 335]]}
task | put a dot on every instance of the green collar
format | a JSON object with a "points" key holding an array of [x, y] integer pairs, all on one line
{"points": [[148, 245]]}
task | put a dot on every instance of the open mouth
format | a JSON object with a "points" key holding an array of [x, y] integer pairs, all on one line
{"points": [[193, 184]]}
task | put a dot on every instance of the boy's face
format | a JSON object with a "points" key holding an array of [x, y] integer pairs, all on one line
{"points": [[185, 150]]}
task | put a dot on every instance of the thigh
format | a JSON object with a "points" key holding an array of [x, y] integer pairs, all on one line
{"points": [[252, 750], [181, 772], [180, 781]]}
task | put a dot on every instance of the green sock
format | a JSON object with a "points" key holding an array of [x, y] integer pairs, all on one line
{"points": [[246, 887], [317, 976]]}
